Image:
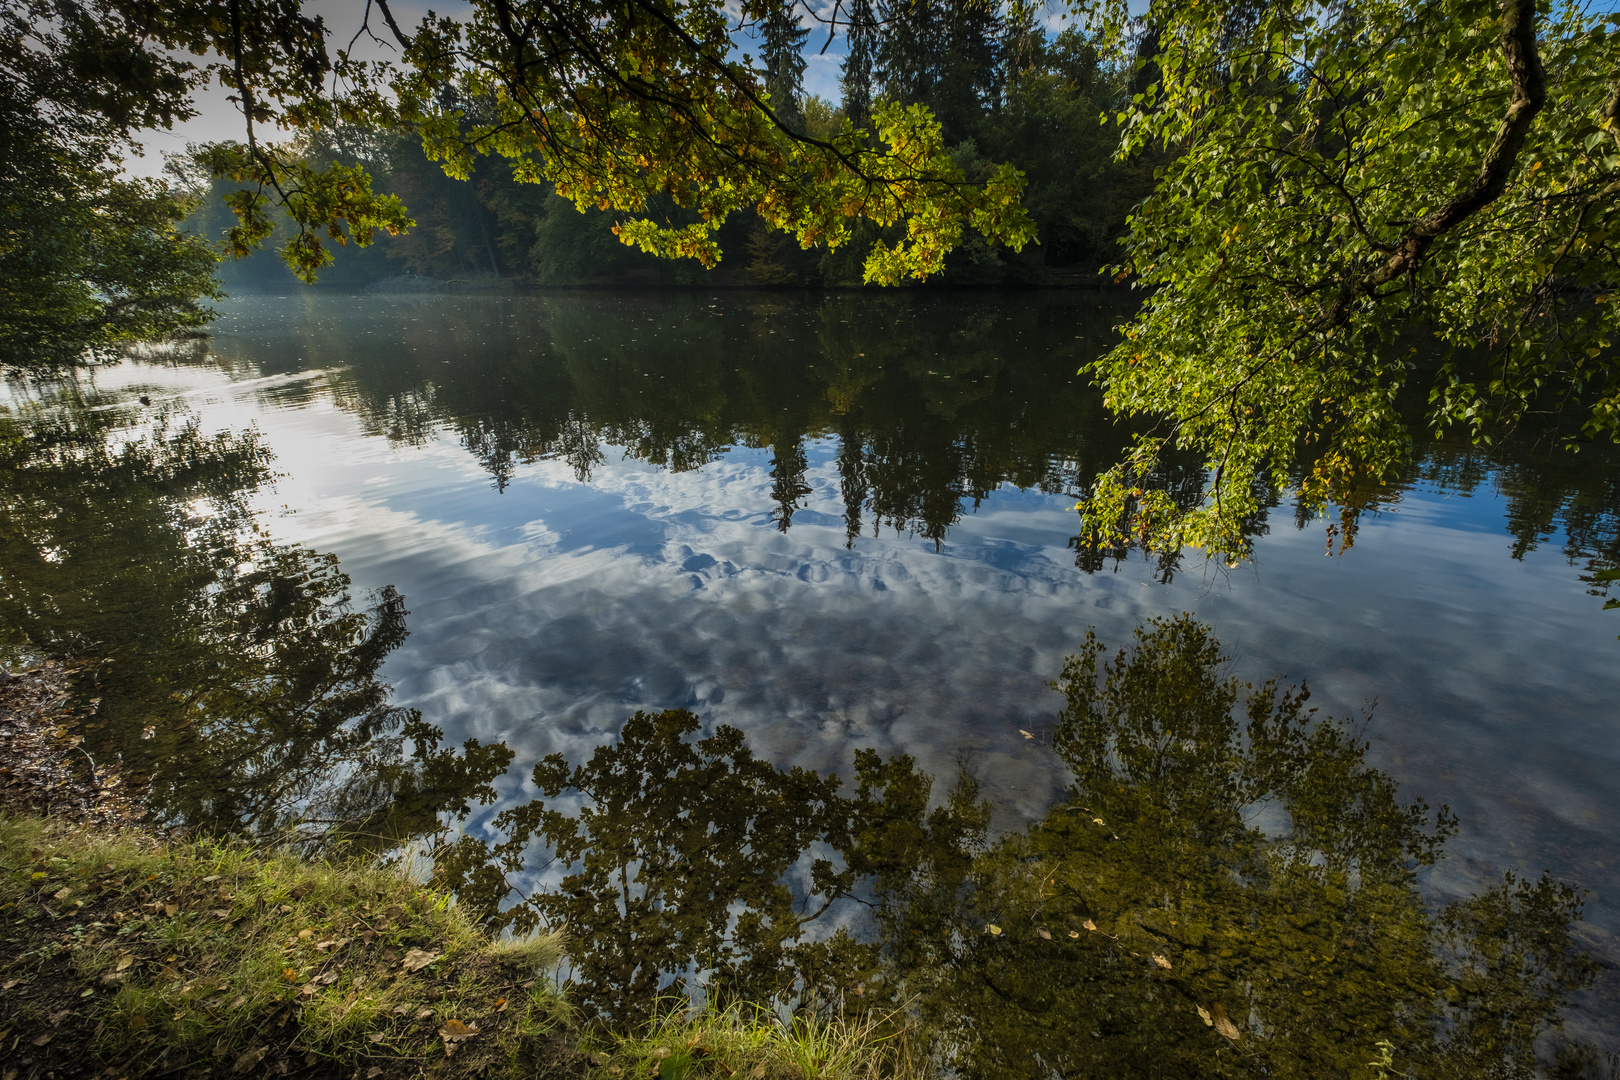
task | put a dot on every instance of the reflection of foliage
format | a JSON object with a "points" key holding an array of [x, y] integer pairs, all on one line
{"points": [[934, 404], [1151, 925], [676, 385], [697, 859], [237, 678], [1229, 889]]}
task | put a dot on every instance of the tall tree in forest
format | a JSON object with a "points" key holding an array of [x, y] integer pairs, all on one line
{"points": [[942, 54], [908, 50], [860, 62], [782, 49]]}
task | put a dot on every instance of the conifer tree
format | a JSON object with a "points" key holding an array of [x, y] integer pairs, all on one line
{"points": [[908, 50], [943, 54], [860, 62], [783, 53]]}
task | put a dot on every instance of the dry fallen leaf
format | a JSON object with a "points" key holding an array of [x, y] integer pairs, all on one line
{"points": [[309, 989], [249, 1059], [62, 893], [377, 1036], [1098, 821], [239, 1002], [305, 934], [41, 1040], [124, 960], [322, 946], [455, 1032], [1074, 933], [1089, 925], [416, 959], [9, 983], [1047, 934], [1203, 1014], [993, 928], [1223, 1027], [1025, 734], [500, 1005], [374, 1071], [1161, 961]]}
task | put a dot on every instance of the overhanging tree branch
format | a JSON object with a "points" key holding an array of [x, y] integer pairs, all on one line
{"points": [[1529, 94]]}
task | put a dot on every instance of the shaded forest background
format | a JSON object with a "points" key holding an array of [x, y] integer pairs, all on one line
{"points": [[1003, 89]]}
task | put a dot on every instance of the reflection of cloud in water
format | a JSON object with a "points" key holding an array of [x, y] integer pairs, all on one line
{"points": [[548, 642], [545, 615]]}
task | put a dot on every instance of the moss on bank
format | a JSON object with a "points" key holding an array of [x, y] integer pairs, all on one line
{"points": [[122, 955]]}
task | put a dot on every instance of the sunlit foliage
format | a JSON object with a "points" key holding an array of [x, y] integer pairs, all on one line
{"points": [[1354, 185]]}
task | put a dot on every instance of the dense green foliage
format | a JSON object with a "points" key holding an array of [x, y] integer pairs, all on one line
{"points": [[1031, 99], [88, 260], [1355, 186]]}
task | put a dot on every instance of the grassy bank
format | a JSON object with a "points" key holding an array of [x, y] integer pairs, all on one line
{"points": [[122, 955]]}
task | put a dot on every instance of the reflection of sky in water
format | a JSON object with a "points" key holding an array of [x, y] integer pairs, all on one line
{"points": [[544, 615]]}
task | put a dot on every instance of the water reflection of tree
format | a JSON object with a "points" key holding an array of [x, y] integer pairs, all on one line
{"points": [[935, 402], [1229, 889], [694, 861], [235, 675], [942, 405], [1161, 922]]}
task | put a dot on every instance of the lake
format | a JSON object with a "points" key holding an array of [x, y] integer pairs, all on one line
{"points": [[843, 522]]}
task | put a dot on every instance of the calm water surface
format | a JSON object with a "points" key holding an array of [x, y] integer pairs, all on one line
{"points": [[845, 523]]}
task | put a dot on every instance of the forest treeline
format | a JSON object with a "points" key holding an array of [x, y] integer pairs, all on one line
{"points": [[1003, 89]]}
